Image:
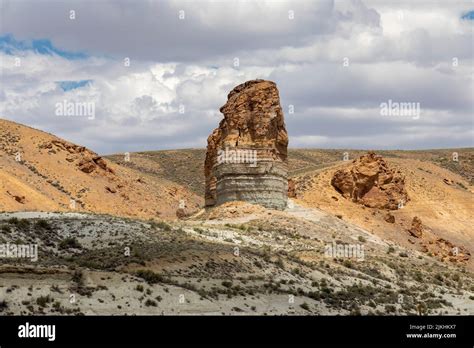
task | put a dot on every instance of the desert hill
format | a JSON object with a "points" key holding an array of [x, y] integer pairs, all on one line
{"points": [[440, 190], [40, 172], [185, 166], [236, 258], [50, 173]]}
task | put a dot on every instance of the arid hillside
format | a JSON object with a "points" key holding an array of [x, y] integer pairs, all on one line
{"points": [[325, 254], [439, 187], [440, 199], [185, 166], [234, 259], [40, 172]]}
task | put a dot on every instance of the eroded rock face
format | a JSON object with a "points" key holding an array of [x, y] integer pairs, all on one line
{"points": [[291, 188], [87, 161], [389, 218], [246, 157], [416, 229], [369, 181]]}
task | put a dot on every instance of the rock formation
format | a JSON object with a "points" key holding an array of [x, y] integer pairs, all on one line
{"points": [[246, 157], [87, 161], [291, 188], [389, 218], [20, 199], [369, 181], [416, 229]]}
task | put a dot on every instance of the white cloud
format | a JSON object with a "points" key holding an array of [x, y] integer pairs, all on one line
{"points": [[190, 63]]}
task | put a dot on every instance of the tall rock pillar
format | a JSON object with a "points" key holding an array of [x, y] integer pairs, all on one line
{"points": [[246, 157]]}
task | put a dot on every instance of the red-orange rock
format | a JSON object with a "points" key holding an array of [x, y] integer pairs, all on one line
{"points": [[253, 121], [389, 218], [369, 181], [86, 165], [18, 198], [291, 188], [416, 229]]}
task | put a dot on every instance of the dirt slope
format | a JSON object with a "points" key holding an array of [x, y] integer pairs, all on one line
{"points": [[40, 172]]}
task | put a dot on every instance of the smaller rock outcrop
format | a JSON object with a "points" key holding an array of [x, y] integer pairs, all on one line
{"points": [[389, 218], [87, 161], [416, 229], [20, 199], [370, 181]]}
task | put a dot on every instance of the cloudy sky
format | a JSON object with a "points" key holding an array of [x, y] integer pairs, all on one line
{"points": [[157, 72]]}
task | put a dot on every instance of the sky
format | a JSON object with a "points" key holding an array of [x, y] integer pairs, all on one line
{"points": [[154, 74]]}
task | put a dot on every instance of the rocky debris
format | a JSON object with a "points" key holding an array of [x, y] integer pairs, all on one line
{"points": [[416, 229], [451, 252], [18, 198], [110, 189], [246, 155], [291, 188], [389, 218], [369, 181], [69, 147], [447, 182], [445, 251], [87, 161], [304, 183], [86, 166], [90, 164], [180, 213]]}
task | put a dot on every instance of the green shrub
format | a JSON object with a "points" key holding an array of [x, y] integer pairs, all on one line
{"points": [[150, 303], [227, 284], [149, 276], [5, 229], [70, 242], [21, 224], [305, 306], [43, 224], [42, 301]]}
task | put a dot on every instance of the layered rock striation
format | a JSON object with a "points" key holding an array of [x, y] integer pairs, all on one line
{"points": [[246, 157]]}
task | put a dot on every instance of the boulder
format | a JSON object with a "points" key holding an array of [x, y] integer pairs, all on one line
{"points": [[370, 182], [416, 229], [389, 218]]}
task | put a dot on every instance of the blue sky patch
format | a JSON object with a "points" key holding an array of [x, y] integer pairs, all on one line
{"points": [[70, 85], [469, 15], [10, 45]]}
